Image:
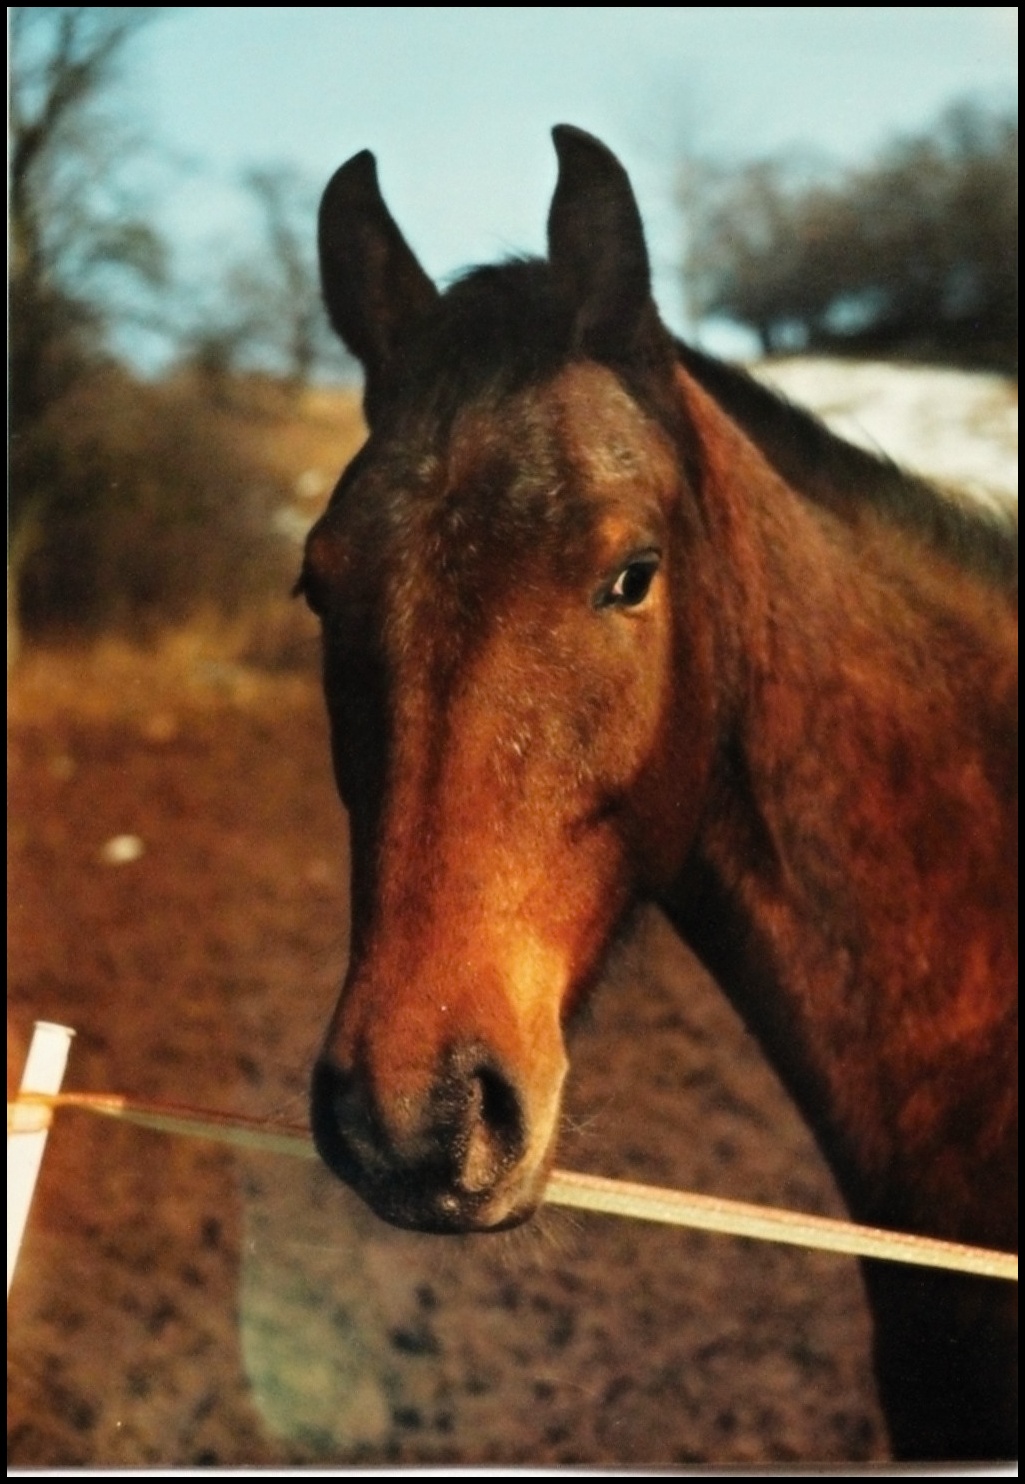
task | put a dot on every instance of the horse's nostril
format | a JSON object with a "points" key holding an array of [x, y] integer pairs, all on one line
{"points": [[329, 1085], [494, 1129], [499, 1106], [332, 1114]]}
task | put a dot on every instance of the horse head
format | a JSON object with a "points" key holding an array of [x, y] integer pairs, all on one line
{"points": [[522, 705]]}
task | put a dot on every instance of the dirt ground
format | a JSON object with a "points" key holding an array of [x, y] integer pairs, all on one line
{"points": [[180, 1304]]}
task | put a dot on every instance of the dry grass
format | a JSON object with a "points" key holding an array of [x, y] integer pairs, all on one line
{"points": [[212, 498], [199, 666]]}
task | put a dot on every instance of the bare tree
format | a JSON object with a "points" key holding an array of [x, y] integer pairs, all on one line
{"points": [[76, 243], [73, 230], [745, 240], [915, 253], [267, 309]]}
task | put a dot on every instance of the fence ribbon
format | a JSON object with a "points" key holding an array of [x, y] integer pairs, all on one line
{"points": [[31, 1111]]}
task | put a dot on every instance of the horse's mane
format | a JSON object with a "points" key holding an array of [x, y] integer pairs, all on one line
{"points": [[496, 329], [826, 468]]}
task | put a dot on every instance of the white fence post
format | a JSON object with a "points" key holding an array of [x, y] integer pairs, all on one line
{"points": [[44, 1072]]}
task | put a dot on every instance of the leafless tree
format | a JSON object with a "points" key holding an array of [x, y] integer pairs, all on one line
{"points": [[266, 310], [75, 240], [73, 228], [915, 253]]}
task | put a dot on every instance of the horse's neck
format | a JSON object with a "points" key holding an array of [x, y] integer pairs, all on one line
{"points": [[843, 478], [795, 442], [853, 882]]}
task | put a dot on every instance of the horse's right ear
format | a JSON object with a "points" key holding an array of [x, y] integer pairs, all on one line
{"points": [[373, 286]]}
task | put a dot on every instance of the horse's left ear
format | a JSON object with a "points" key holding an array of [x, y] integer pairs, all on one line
{"points": [[596, 246]]}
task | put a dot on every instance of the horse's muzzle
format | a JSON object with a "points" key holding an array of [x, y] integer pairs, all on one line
{"points": [[449, 1159]]}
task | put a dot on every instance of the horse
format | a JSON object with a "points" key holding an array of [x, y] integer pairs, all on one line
{"points": [[606, 623]]}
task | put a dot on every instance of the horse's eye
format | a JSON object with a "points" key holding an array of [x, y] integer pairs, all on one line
{"points": [[631, 586]]}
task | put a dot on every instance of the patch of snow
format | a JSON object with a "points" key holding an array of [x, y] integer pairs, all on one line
{"points": [[957, 427]]}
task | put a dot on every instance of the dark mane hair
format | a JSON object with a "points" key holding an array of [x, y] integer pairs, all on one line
{"points": [[825, 467], [496, 330]]}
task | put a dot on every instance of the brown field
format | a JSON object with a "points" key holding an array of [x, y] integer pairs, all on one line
{"points": [[178, 1303]]}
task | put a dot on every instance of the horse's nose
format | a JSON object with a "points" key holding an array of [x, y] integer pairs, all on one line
{"points": [[430, 1158]]}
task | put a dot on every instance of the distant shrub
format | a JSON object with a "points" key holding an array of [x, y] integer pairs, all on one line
{"points": [[151, 505]]}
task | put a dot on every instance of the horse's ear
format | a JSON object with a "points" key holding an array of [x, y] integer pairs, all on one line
{"points": [[596, 246], [373, 286]]}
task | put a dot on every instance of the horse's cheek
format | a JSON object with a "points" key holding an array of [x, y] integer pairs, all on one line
{"points": [[660, 747]]}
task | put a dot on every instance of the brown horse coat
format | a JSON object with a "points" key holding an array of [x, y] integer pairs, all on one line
{"points": [[604, 623]]}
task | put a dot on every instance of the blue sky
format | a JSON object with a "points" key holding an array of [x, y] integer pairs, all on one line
{"points": [[457, 103]]}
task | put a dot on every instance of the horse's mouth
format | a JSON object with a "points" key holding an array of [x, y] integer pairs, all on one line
{"points": [[446, 1216], [420, 1205]]}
